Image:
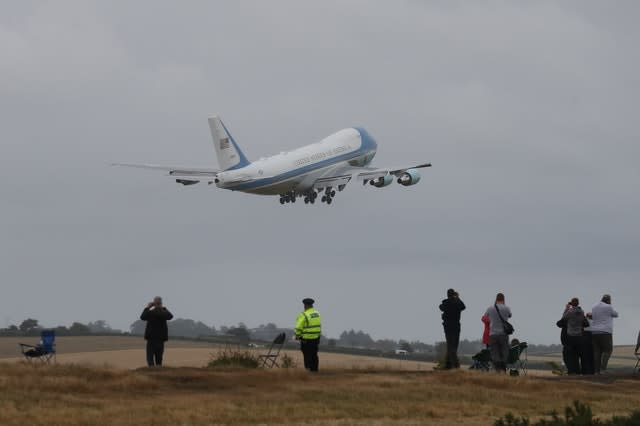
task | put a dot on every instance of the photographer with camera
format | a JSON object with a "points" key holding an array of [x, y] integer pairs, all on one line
{"points": [[156, 332], [575, 321], [451, 308]]}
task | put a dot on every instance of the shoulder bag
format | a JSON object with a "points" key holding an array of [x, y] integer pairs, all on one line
{"points": [[508, 328]]}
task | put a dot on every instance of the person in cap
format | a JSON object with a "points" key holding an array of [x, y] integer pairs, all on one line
{"points": [[452, 308], [602, 315], [156, 332], [308, 330]]}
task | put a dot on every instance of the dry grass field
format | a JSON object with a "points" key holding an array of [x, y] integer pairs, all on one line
{"points": [[106, 386], [85, 395]]}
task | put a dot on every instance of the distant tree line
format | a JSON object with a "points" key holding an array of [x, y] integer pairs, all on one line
{"points": [[182, 327], [240, 333], [32, 327]]}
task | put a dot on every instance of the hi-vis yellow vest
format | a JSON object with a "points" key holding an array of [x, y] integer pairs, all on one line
{"points": [[308, 325]]}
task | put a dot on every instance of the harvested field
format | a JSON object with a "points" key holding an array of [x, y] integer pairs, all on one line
{"points": [[73, 344], [128, 353]]}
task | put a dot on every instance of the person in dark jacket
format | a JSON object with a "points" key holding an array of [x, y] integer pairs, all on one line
{"points": [[451, 308], [575, 321], [156, 332], [562, 324]]}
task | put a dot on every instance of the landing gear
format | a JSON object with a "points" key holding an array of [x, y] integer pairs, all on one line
{"points": [[329, 193], [288, 197], [309, 197]]}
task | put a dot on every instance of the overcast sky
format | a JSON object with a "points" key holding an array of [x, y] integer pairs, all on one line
{"points": [[527, 110]]}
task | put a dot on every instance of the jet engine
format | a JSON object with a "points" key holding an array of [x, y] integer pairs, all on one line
{"points": [[409, 177], [187, 181], [382, 181]]}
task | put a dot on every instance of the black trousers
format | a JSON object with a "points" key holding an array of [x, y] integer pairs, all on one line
{"points": [[155, 350], [574, 354], [586, 361], [452, 335], [309, 350]]}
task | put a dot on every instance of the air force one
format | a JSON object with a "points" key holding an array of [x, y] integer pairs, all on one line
{"points": [[308, 172]]}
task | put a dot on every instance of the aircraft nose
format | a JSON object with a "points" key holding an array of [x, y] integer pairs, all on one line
{"points": [[367, 140]]}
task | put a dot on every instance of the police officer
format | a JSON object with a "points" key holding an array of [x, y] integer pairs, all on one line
{"points": [[308, 332]]}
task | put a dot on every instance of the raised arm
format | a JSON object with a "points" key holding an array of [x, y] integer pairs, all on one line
{"points": [[145, 314], [167, 315], [462, 305]]}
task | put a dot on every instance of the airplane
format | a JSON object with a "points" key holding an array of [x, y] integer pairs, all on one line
{"points": [[307, 172]]}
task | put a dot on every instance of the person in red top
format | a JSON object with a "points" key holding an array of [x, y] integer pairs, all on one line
{"points": [[485, 333]]}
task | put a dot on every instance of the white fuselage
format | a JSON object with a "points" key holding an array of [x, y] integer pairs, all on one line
{"points": [[297, 170]]}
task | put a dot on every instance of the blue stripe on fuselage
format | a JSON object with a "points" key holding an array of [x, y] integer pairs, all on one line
{"points": [[368, 145]]}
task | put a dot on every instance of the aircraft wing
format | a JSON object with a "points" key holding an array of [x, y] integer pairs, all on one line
{"points": [[362, 174], [332, 181], [373, 173], [188, 175]]}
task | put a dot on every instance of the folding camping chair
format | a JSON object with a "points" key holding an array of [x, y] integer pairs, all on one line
{"points": [[482, 361], [270, 359], [45, 350], [517, 361]]}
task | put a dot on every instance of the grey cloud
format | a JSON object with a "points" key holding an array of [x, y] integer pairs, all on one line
{"points": [[527, 112]]}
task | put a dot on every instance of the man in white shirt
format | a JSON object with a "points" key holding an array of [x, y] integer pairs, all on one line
{"points": [[498, 313], [602, 315]]}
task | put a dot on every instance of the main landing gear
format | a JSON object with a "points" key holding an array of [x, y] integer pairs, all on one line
{"points": [[328, 195], [310, 197], [288, 197]]}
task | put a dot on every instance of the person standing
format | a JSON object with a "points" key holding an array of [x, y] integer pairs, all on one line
{"points": [[308, 330], [575, 320], [452, 308], [156, 332], [562, 324], [498, 338], [602, 315], [485, 331]]}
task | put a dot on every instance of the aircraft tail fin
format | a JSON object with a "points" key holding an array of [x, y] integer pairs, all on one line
{"points": [[229, 154]]}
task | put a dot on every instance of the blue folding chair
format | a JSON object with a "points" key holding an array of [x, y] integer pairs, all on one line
{"points": [[45, 350]]}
